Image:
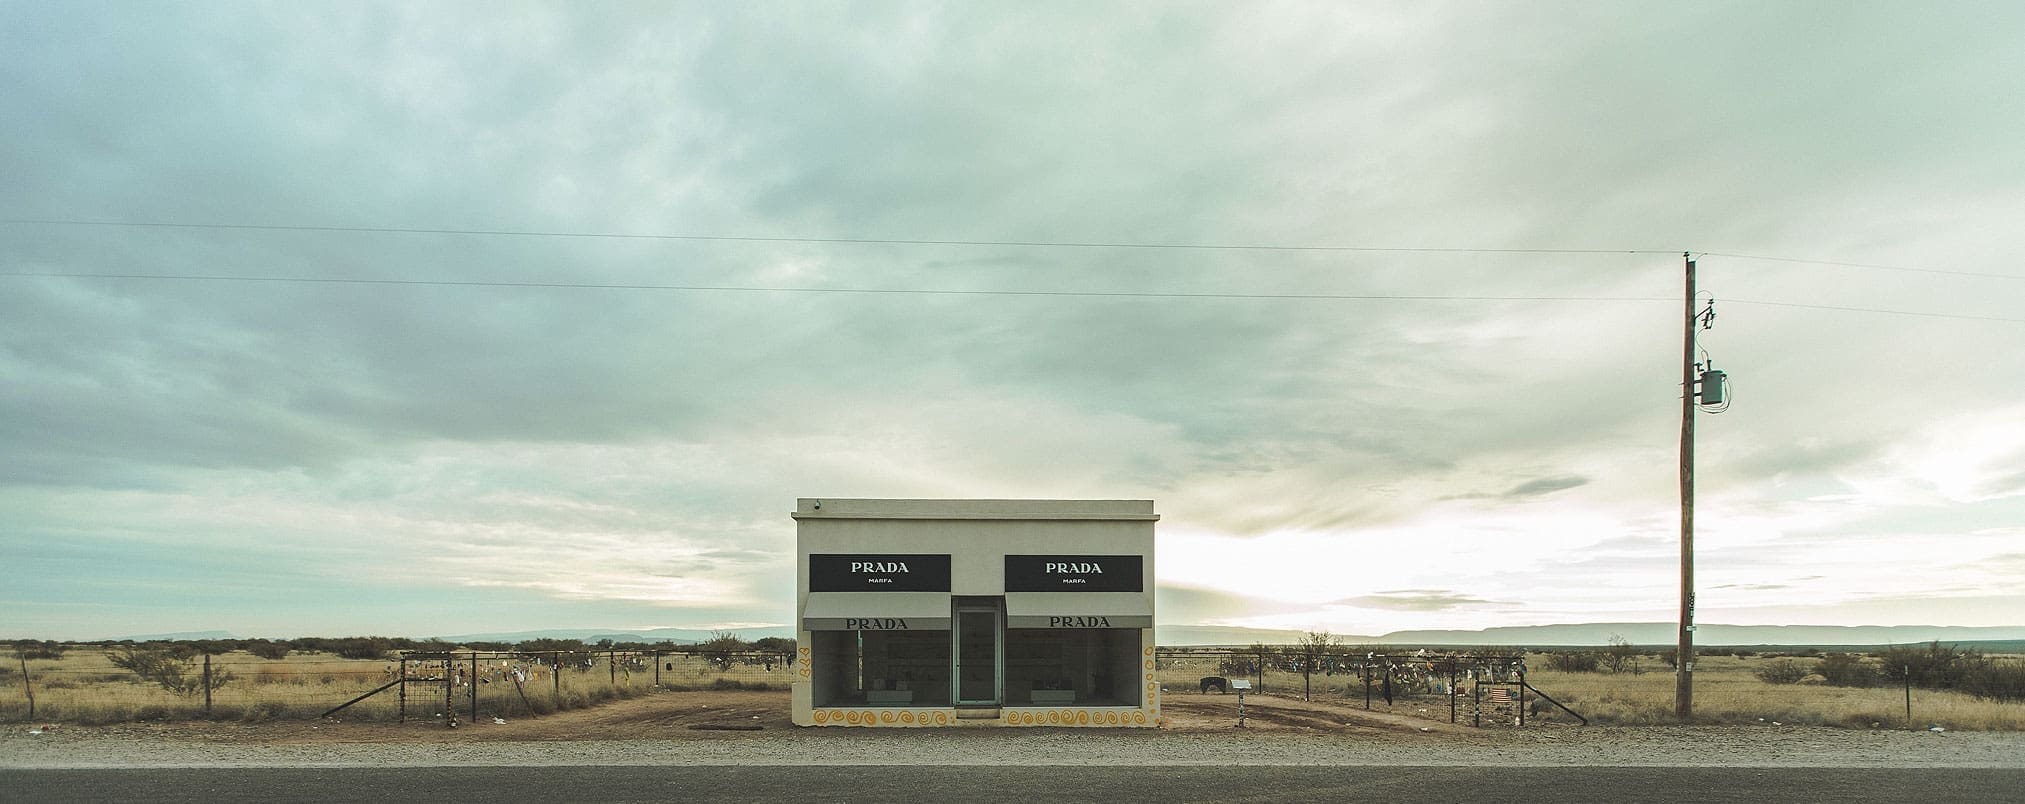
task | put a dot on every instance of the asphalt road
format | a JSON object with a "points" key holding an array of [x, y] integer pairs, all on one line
{"points": [[920, 784]]}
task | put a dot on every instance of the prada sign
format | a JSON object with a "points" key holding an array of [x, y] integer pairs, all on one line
{"points": [[860, 572], [1074, 573], [1079, 621]]}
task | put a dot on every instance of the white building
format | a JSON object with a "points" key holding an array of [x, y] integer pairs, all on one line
{"points": [[1008, 612]]}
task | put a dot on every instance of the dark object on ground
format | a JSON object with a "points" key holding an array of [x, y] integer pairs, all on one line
{"points": [[1221, 684]]}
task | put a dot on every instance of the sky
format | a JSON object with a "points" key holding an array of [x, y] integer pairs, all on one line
{"points": [[511, 316]]}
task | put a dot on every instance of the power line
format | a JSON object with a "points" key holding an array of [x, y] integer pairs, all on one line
{"points": [[1097, 294], [849, 240], [1129, 294], [1874, 266], [954, 242], [1839, 309]]}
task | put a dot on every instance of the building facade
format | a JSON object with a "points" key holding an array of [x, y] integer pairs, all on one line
{"points": [[1004, 612]]}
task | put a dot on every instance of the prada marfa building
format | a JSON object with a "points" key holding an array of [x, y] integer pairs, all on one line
{"points": [[1004, 612]]}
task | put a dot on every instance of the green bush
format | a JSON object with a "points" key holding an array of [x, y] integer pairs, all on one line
{"points": [[168, 668], [32, 649], [1781, 671], [2001, 681], [1574, 662], [1846, 670]]}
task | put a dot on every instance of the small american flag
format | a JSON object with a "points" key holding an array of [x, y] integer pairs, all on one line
{"points": [[1501, 695]]}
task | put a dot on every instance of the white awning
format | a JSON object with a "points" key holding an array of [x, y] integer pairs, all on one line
{"points": [[1078, 610], [876, 611]]}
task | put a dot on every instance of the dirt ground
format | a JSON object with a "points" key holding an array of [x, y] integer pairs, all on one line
{"points": [[717, 714]]}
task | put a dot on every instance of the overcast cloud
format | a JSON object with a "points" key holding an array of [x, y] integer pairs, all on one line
{"points": [[288, 458]]}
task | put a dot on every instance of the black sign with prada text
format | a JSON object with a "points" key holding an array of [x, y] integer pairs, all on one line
{"points": [[1074, 573], [860, 572]]}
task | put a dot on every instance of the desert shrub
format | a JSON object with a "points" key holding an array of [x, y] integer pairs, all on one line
{"points": [[168, 669], [361, 647], [1944, 667], [266, 649], [1846, 670], [33, 649], [1932, 666], [1574, 662], [720, 647], [2001, 681], [1620, 654], [1781, 671]]}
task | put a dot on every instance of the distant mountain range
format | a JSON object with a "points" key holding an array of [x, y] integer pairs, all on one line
{"points": [[1596, 634], [673, 636], [177, 636]]}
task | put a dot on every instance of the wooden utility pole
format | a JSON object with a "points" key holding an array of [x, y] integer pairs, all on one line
{"points": [[1684, 656]]}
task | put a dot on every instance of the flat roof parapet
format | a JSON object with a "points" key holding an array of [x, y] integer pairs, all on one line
{"points": [[850, 508]]}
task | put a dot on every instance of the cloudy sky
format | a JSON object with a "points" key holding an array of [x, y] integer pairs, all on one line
{"points": [[509, 316]]}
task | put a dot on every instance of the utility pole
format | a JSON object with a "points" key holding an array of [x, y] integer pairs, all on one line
{"points": [[1684, 657]]}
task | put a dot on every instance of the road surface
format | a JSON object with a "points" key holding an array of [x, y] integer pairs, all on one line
{"points": [[919, 784]]}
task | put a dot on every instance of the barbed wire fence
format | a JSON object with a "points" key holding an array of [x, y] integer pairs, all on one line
{"points": [[98, 683], [1476, 688], [108, 683]]}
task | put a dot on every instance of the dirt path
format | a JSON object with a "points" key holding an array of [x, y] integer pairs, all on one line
{"points": [[717, 714], [718, 728]]}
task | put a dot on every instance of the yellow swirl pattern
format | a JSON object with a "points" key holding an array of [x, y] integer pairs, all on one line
{"points": [[1046, 717]]}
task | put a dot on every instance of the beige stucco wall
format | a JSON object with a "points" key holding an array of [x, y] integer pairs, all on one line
{"points": [[977, 535]]}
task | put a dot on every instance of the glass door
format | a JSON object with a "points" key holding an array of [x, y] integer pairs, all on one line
{"points": [[977, 649]]}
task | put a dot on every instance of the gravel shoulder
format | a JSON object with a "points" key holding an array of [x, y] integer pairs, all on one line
{"points": [[695, 728]]}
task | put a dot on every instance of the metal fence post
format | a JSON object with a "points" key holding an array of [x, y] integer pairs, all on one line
{"points": [[29, 687], [474, 686], [404, 688], [1452, 692], [657, 668], [207, 685], [450, 689], [555, 673], [1477, 702], [1367, 682]]}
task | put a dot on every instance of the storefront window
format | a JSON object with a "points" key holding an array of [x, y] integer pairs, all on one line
{"points": [[880, 668], [1083, 667]]}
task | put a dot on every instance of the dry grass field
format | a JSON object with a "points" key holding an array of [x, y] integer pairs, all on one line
{"points": [[85, 687], [1727, 691]]}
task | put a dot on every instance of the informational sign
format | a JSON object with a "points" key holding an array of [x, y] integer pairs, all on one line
{"points": [[863, 572], [1074, 573]]}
